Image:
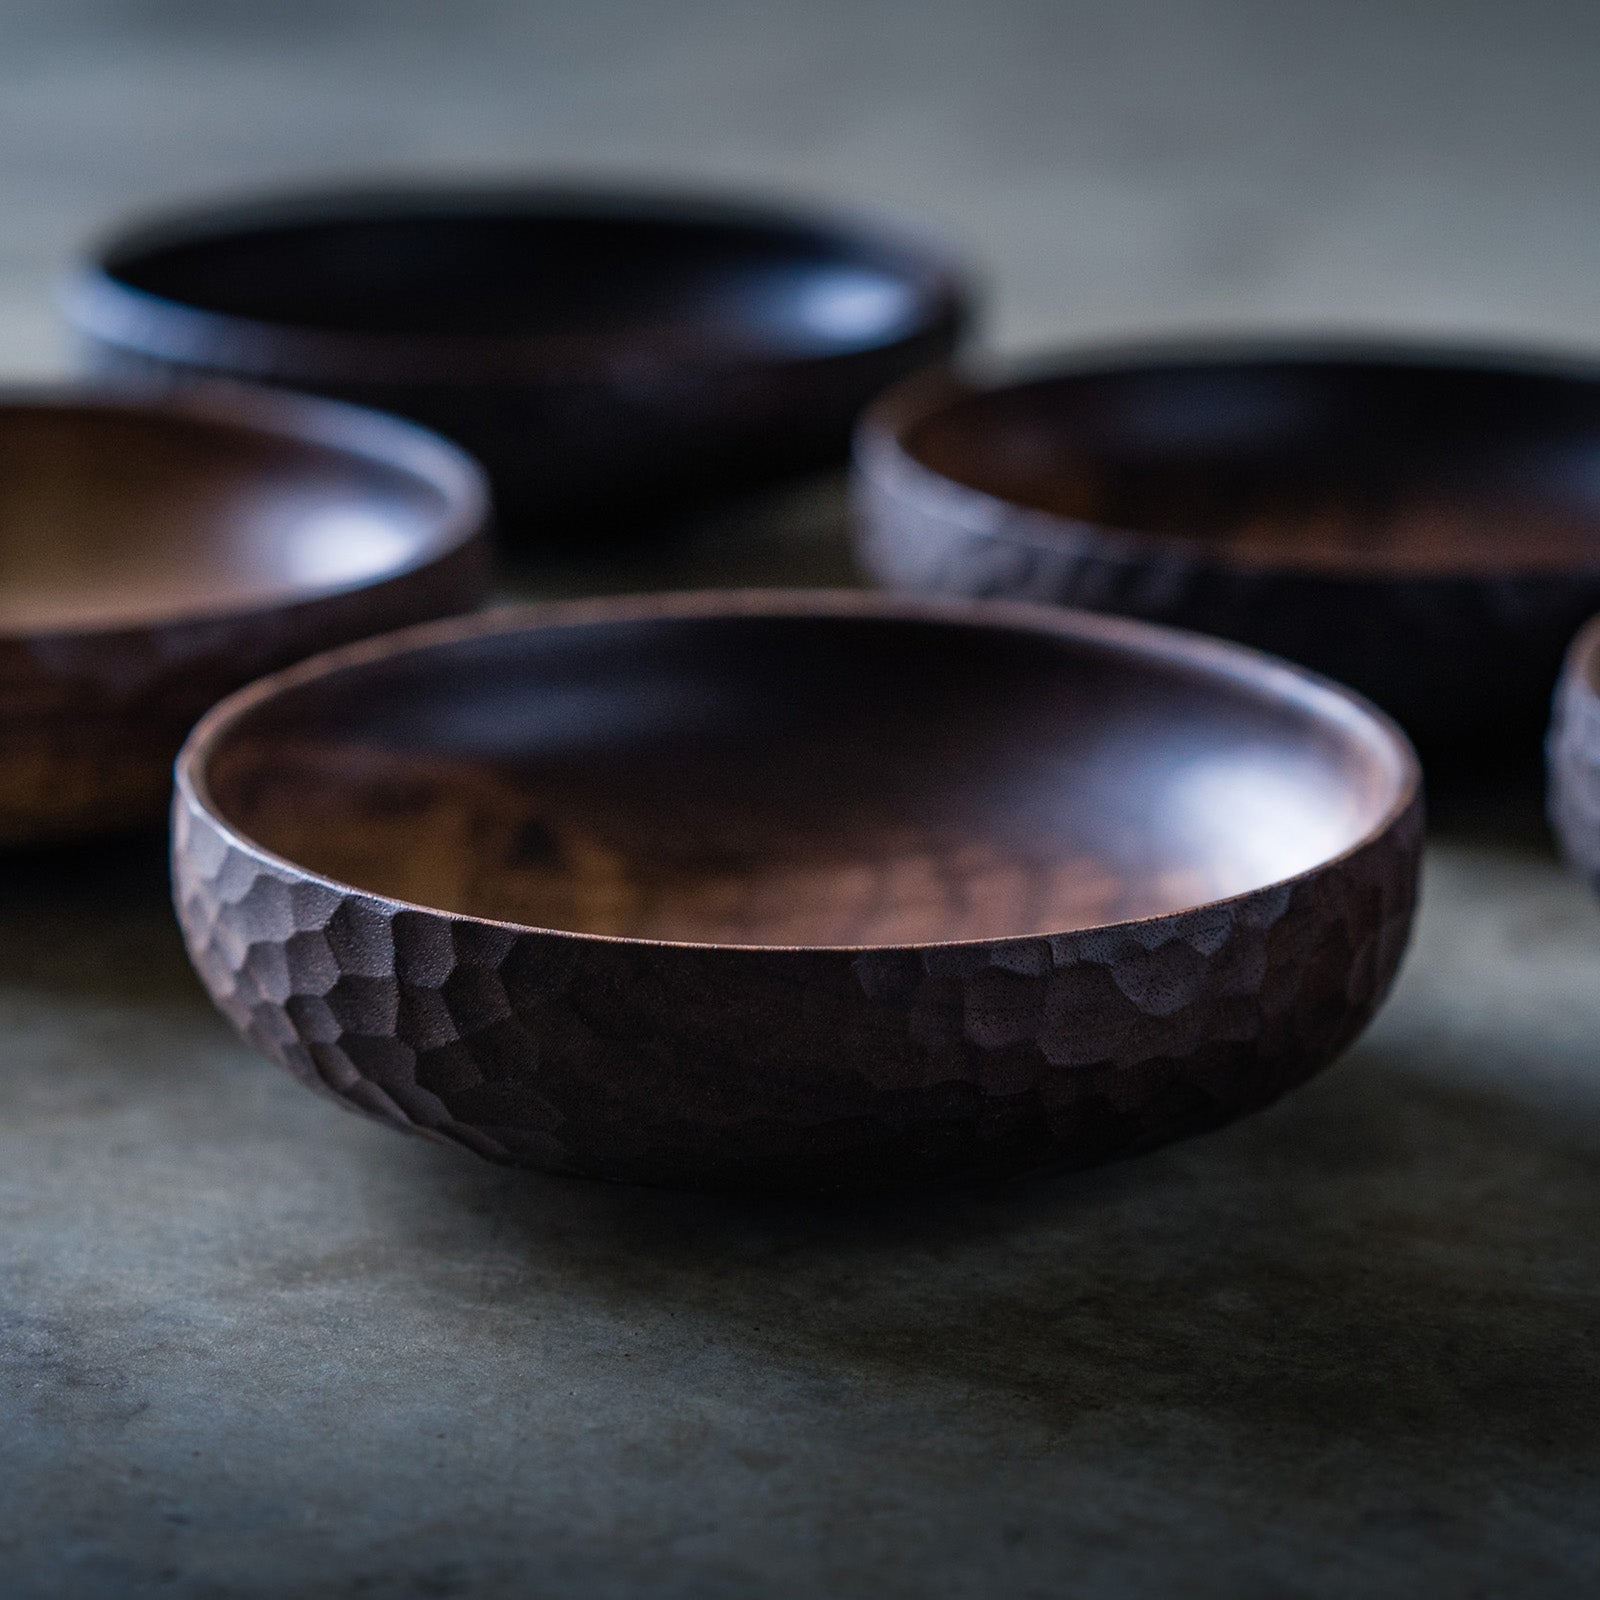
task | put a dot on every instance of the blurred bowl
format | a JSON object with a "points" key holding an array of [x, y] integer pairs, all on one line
{"points": [[797, 891], [1574, 752], [155, 557], [1422, 526], [609, 356]]}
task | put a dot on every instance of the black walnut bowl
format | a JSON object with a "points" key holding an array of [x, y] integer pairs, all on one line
{"points": [[1421, 525], [1574, 753], [610, 356], [154, 557], [800, 892]]}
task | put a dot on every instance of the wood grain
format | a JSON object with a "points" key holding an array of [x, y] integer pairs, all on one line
{"points": [[797, 891], [1420, 524], [156, 556]]}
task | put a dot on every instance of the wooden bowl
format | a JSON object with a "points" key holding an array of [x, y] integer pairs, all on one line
{"points": [[608, 355], [1423, 528], [1574, 754], [797, 891], [155, 557]]}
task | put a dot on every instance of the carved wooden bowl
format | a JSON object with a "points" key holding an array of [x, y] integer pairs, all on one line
{"points": [[1425, 529], [608, 355], [155, 557], [797, 892], [1574, 751]]}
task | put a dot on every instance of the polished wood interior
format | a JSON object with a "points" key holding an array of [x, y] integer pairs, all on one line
{"points": [[1330, 463], [806, 779], [116, 516]]}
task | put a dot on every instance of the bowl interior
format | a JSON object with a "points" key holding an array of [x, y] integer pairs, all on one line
{"points": [[1396, 465], [115, 516], [533, 273], [806, 780]]}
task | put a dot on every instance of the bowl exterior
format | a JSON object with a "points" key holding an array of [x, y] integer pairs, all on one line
{"points": [[91, 722], [1448, 657], [814, 1071], [1574, 760]]}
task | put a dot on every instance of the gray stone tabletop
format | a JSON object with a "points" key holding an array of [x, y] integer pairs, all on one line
{"points": [[250, 1347]]}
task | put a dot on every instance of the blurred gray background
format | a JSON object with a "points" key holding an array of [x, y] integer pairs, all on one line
{"points": [[1117, 165], [251, 1348]]}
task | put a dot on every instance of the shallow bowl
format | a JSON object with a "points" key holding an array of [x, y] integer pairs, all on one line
{"points": [[1420, 525], [1574, 755], [797, 891], [154, 557], [610, 356]]}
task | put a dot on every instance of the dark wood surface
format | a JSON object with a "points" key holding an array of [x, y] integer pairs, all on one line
{"points": [[154, 557], [609, 355], [1348, 1347], [804, 892], [1419, 523], [1574, 755]]}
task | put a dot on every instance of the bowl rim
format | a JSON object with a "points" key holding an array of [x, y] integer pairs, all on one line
{"points": [[1255, 671], [101, 304], [883, 461], [283, 415]]}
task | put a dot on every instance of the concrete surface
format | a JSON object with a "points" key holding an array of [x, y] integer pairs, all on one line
{"points": [[249, 1347]]}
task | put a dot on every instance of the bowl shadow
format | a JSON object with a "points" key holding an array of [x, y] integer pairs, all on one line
{"points": [[1385, 1260]]}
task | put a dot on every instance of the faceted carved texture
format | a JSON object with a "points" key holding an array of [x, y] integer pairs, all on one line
{"points": [[795, 1069], [1446, 655], [1422, 529], [164, 551], [92, 721], [1575, 758]]}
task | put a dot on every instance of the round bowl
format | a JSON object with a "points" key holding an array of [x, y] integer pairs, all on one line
{"points": [[1422, 527], [797, 891], [153, 557], [609, 356], [1574, 753]]}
